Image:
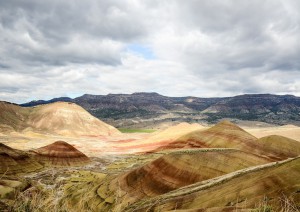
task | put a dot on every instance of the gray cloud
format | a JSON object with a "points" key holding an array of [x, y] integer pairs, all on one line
{"points": [[202, 48], [59, 32]]}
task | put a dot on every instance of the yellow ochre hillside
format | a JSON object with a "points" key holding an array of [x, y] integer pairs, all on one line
{"points": [[60, 118]]}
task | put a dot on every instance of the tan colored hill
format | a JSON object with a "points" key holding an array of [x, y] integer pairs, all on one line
{"points": [[246, 189], [160, 138], [176, 131], [11, 117], [68, 118], [289, 131], [223, 135], [60, 153], [182, 168], [281, 146], [60, 118], [228, 135], [16, 162], [169, 172]]}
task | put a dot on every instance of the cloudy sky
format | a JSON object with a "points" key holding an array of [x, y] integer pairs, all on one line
{"points": [[202, 48]]}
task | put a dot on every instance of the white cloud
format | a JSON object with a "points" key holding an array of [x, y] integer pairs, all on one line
{"points": [[201, 48]]}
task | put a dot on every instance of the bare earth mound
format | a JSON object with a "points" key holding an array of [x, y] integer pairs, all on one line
{"points": [[60, 118], [60, 153], [68, 119]]}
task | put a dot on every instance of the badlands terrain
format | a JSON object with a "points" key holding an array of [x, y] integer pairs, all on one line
{"points": [[59, 157]]}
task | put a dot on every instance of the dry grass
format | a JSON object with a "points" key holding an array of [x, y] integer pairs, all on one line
{"points": [[79, 193], [39, 199], [286, 204]]}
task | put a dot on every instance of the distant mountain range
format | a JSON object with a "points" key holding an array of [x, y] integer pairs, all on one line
{"points": [[150, 109]]}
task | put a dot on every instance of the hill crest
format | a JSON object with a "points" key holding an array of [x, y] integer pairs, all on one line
{"points": [[62, 118]]}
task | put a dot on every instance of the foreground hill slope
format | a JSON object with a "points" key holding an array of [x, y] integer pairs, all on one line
{"points": [[167, 173], [15, 161], [57, 118], [182, 168], [246, 188]]}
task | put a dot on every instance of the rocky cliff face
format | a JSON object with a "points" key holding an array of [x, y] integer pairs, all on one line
{"points": [[132, 110], [263, 107]]}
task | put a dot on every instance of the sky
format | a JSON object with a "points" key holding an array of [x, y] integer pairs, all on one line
{"points": [[203, 48]]}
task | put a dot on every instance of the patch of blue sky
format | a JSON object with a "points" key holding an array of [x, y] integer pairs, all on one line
{"points": [[141, 50]]}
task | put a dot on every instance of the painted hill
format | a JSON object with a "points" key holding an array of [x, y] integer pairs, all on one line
{"points": [[223, 135], [245, 189], [279, 145], [57, 118], [228, 135], [60, 153], [169, 172], [67, 118], [182, 168], [16, 161]]}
